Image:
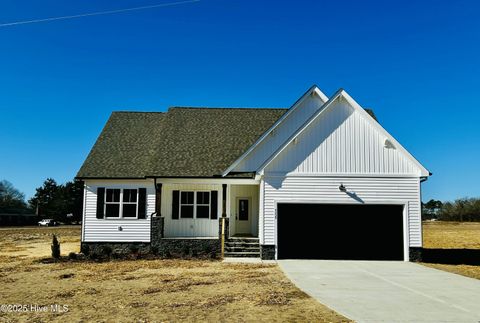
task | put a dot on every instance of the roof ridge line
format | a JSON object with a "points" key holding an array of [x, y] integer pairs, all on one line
{"points": [[125, 111], [227, 108]]}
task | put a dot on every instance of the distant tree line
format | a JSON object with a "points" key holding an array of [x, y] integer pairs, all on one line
{"points": [[12, 201], [464, 209], [62, 202]]}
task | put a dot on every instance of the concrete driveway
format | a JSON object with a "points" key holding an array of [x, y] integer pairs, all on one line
{"points": [[374, 291]]}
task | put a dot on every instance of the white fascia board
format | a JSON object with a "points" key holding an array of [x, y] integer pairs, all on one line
{"points": [[336, 175], [312, 90], [320, 94], [219, 181], [424, 172], [114, 181], [320, 111]]}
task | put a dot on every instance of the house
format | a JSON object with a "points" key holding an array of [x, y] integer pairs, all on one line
{"points": [[322, 179]]}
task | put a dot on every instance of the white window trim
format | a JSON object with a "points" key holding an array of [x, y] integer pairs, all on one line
{"points": [[180, 204], [121, 202]]}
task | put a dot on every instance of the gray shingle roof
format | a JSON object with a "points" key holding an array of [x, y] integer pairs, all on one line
{"points": [[184, 142]]}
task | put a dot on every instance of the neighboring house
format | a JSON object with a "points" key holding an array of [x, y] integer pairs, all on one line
{"points": [[322, 179]]}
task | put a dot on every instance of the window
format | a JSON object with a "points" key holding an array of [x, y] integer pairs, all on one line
{"points": [[121, 203], [203, 205], [194, 205], [112, 203], [186, 204], [129, 203], [243, 210]]}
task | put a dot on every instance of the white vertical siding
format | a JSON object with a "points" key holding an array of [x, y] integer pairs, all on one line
{"points": [[283, 131], [189, 227], [371, 190], [107, 230], [341, 141]]}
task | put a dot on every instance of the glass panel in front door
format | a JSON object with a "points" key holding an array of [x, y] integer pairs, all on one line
{"points": [[243, 210]]}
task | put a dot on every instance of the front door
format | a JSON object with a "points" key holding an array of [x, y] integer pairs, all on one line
{"points": [[243, 216]]}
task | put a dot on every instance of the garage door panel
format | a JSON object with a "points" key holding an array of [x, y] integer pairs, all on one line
{"points": [[333, 231]]}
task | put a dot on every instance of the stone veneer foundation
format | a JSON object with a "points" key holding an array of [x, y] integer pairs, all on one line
{"points": [[267, 252], [159, 245]]}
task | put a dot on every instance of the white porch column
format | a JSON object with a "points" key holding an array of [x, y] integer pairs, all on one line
{"points": [[228, 208], [260, 210]]}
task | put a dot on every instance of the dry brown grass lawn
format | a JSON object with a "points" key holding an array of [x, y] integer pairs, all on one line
{"points": [[453, 235], [27, 242], [146, 290]]}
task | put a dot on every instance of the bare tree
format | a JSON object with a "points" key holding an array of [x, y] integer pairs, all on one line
{"points": [[11, 199]]}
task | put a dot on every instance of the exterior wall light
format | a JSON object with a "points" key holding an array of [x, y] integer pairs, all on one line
{"points": [[389, 145]]}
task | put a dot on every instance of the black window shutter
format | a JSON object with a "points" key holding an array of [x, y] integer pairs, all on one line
{"points": [[142, 203], [214, 205], [100, 202], [175, 204]]}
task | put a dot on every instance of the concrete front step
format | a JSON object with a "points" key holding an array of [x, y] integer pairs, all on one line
{"points": [[242, 254], [246, 260], [246, 240], [242, 249], [243, 241], [242, 245]]}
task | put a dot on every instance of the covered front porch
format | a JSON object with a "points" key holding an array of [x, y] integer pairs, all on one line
{"points": [[192, 208], [243, 210]]}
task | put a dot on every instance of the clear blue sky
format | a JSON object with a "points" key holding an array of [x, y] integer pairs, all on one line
{"points": [[416, 63]]}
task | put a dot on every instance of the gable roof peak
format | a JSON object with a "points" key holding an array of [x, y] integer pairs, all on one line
{"points": [[369, 117], [315, 90]]}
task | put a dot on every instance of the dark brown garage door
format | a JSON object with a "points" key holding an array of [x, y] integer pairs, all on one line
{"points": [[334, 231]]}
